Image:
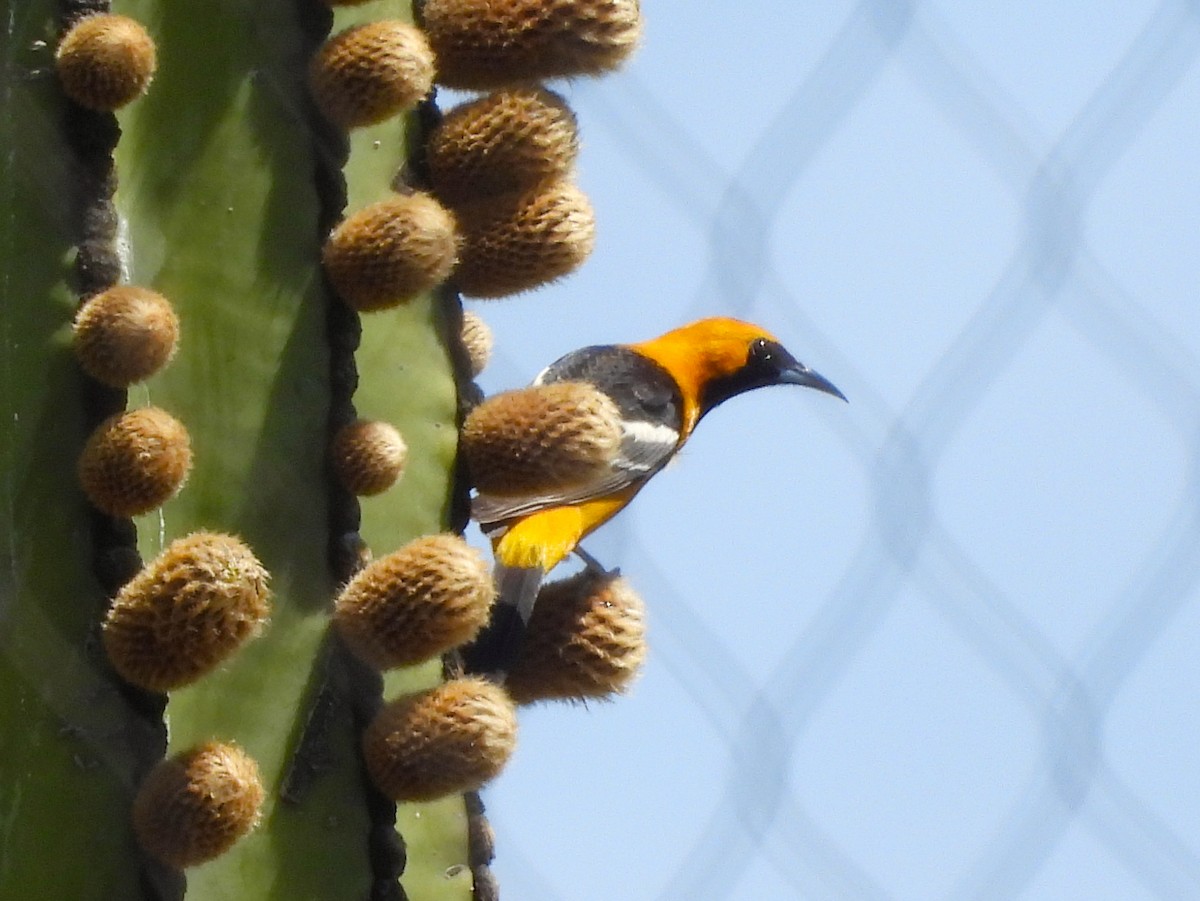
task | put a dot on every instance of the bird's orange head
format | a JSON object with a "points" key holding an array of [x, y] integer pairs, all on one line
{"points": [[715, 359]]}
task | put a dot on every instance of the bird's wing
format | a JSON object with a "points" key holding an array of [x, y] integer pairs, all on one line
{"points": [[651, 428], [639, 457]]}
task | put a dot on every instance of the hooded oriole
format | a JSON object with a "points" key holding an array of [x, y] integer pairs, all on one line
{"points": [[662, 388]]}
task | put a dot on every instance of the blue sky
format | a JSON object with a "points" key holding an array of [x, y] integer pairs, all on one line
{"points": [[941, 642]]}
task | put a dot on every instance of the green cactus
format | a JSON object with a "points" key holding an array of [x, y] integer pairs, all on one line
{"points": [[227, 180]]}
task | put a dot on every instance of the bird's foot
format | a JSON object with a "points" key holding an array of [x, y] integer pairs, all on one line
{"points": [[594, 566]]}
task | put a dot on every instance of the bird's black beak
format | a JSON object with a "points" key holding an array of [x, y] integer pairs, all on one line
{"points": [[797, 373]]}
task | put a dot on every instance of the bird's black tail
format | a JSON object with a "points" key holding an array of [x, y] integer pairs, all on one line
{"points": [[494, 651]]}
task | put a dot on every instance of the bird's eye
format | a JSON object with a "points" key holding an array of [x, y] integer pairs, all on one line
{"points": [[760, 349]]}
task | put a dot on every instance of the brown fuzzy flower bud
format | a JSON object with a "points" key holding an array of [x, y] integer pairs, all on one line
{"points": [[478, 341], [450, 739], [390, 251], [540, 438], [488, 43], [508, 141], [194, 806], [187, 611], [105, 61], [431, 595], [371, 72], [516, 242], [368, 456], [135, 461], [585, 640], [125, 334]]}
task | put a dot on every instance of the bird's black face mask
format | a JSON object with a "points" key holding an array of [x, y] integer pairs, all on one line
{"points": [[767, 363]]}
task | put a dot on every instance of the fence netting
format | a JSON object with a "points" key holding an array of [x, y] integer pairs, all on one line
{"points": [[1083, 813]]}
